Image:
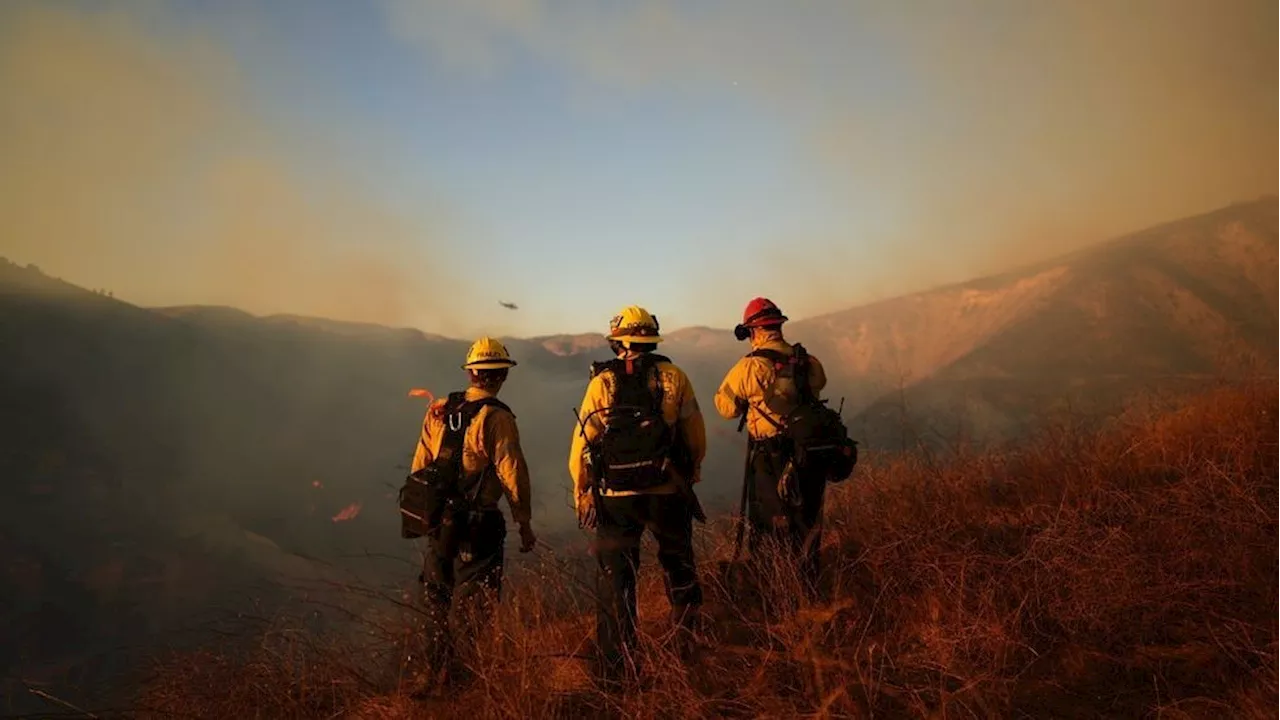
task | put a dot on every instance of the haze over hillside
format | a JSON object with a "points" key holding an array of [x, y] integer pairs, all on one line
{"points": [[1189, 301], [1185, 301], [185, 454]]}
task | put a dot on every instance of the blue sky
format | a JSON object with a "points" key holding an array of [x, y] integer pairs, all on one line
{"points": [[343, 158]]}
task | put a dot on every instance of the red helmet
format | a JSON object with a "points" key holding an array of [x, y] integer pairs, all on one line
{"points": [[759, 313]]}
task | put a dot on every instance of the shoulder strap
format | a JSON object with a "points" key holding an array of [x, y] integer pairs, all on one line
{"points": [[802, 371], [799, 357], [459, 413], [455, 420], [598, 367], [635, 370], [489, 402], [776, 356]]}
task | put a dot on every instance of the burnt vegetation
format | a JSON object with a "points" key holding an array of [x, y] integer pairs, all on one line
{"points": [[1122, 572]]}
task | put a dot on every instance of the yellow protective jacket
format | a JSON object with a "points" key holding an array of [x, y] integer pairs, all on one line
{"points": [[679, 409], [754, 383], [492, 441]]}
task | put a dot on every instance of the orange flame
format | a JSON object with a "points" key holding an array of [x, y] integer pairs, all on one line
{"points": [[347, 513]]}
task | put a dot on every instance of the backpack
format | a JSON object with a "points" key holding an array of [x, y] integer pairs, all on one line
{"points": [[432, 499], [633, 451], [818, 440]]}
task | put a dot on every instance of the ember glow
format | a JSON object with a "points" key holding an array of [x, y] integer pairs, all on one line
{"points": [[348, 513]]}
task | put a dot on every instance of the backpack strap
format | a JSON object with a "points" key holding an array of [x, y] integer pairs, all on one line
{"points": [[459, 413], [456, 417], [778, 359], [803, 381], [628, 367], [798, 357]]}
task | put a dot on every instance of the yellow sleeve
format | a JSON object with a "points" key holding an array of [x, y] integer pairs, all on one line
{"points": [[501, 442], [817, 375], [593, 399], [422, 453], [691, 423], [733, 390]]}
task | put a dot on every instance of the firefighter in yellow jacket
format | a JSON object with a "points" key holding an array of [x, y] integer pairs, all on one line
{"points": [[634, 457], [763, 387], [470, 441]]}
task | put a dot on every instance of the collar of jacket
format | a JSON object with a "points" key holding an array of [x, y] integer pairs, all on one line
{"points": [[475, 393], [772, 339]]}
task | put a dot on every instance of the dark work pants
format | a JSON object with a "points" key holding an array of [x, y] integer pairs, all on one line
{"points": [[458, 595], [796, 531], [623, 521]]}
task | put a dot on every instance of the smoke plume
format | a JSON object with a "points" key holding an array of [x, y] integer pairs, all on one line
{"points": [[942, 140], [135, 161]]}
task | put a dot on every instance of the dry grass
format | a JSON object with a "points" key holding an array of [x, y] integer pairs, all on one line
{"points": [[1129, 573]]}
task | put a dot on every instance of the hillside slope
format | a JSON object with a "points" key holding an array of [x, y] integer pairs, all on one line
{"points": [[1122, 573], [1168, 307]]}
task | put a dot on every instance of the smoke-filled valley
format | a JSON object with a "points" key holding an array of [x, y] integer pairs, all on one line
{"points": [[167, 468]]}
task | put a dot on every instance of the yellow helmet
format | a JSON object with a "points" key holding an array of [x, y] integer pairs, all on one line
{"points": [[488, 354], [634, 325]]}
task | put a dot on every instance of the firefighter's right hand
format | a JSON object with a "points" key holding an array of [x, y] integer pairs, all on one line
{"points": [[587, 515], [527, 539]]}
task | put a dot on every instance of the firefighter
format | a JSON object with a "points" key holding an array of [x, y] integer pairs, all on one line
{"points": [[635, 455], [761, 389], [469, 439]]}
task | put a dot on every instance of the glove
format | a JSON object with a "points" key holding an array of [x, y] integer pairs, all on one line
{"points": [[588, 518], [527, 539]]}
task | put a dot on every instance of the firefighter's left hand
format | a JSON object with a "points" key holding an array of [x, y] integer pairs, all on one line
{"points": [[527, 539]]}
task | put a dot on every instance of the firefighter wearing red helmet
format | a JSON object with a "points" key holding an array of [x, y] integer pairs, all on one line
{"points": [[782, 507]]}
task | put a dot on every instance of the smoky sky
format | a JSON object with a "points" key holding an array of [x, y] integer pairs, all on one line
{"points": [[135, 161], [952, 138], [932, 142]]}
